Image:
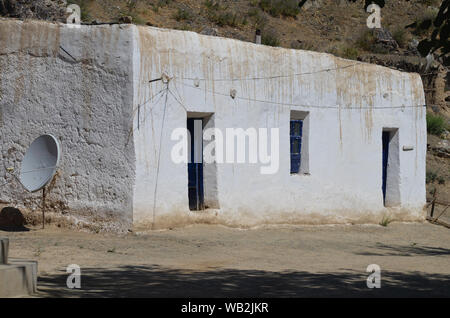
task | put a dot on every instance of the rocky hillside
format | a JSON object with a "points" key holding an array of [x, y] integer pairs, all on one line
{"points": [[333, 26]]}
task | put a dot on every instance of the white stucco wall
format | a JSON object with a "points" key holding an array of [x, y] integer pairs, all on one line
{"points": [[109, 166], [85, 103], [345, 144]]}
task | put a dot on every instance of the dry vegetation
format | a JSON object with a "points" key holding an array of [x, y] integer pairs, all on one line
{"points": [[337, 26]]}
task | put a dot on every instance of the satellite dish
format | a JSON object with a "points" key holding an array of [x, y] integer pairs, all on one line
{"points": [[40, 163]]}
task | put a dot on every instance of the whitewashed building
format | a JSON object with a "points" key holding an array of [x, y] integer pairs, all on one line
{"points": [[346, 141]]}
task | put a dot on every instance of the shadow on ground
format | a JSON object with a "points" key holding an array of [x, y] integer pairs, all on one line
{"points": [[156, 281], [412, 250]]}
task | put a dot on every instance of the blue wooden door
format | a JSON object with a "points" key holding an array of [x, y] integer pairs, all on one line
{"points": [[195, 169], [386, 137], [296, 131]]}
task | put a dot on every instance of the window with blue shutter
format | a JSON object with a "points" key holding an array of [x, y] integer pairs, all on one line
{"points": [[296, 144]]}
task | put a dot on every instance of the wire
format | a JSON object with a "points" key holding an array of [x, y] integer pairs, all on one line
{"points": [[159, 157], [176, 99], [301, 105], [144, 103], [269, 77], [131, 130]]}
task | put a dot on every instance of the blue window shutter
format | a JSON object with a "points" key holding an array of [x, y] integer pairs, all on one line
{"points": [[296, 131]]}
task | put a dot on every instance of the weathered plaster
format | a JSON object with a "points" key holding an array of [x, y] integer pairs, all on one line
{"points": [[345, 149], [85, 103], [110, 162]]}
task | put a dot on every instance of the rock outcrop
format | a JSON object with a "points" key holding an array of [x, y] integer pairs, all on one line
{"points": [[50, 10]]}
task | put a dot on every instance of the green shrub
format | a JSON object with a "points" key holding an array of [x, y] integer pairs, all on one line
{"points": [[399, 36], [303, 45], [425, 21], [160, 4], [276, 8], [257, 17], [225, 18], [366, 40], [220, 16], [349, 53], [253, 12], [212, 5], [431, 176], [385, 221], [436, 124], [429, 2], [269, 38], [163, 3], [183, 14]]}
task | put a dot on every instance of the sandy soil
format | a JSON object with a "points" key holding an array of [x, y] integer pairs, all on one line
{"points": [[215, 261]]}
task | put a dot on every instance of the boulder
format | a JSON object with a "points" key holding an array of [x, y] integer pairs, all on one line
{"points": [[384, 40], [11, 218]]}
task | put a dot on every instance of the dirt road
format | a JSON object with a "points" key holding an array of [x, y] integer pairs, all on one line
{"points": [[215, 261]]}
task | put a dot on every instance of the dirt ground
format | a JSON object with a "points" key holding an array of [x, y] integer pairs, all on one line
{"points": [[215, 261]]}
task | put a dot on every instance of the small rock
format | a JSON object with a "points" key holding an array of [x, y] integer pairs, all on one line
{"points": [[126, 19], [210, 31]]}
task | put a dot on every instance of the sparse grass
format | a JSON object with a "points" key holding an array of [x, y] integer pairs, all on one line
{"points": [[276, 8], [429, 2], [164, 3], [184, 27], [385, 221], [227, 18], [160, 4], [253, 12], [436, 124], [137, 19]]}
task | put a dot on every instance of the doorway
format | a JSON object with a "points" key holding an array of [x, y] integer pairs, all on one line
{"points": [[391, 167], [195, 164]]}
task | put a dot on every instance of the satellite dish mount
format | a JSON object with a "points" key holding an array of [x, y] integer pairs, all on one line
{"points": [[39, 166]]}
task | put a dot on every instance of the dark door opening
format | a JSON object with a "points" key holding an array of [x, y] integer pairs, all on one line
{"points": [[195, 165], [296, 133], [386, 138], [391, 167]]}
